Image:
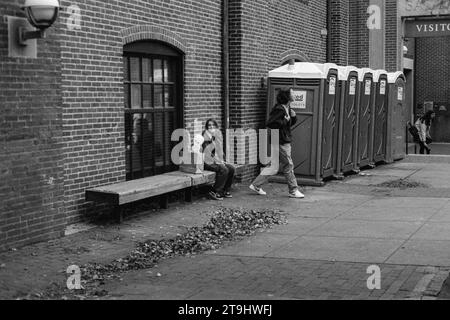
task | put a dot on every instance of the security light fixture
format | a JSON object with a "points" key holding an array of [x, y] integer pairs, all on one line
{"points": [[41, 14]]}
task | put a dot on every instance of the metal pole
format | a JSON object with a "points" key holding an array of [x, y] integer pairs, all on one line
{"points": [[226, 66]]}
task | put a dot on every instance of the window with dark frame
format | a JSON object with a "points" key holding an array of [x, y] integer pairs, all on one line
{"points": [[152, 108]]}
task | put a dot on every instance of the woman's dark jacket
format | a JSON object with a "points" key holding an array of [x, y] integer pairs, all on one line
{"points": [[278, 121]]}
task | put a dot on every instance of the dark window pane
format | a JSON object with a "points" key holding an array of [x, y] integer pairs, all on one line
{"points": [[136, 96], [169, 71], [170, 127], [135, 70], [159, 98], [145, 140], [159, 139], [147, 103], [126, 71], [127, 96], [147, 75], [128, 140], [169, 96], [136, 147], [158, 70]]}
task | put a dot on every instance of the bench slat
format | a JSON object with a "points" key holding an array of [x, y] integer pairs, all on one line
{"points": [[207, 177], [130, 191]]}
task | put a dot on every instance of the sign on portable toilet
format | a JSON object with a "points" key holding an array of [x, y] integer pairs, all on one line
{"points": [[396, 118], [315, 88], [365, 118], [380, 116], [348, 131]]}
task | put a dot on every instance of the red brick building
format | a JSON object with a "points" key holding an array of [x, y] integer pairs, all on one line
{"points": [[114, 74]]}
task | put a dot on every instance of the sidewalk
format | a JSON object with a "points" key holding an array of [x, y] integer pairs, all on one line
{"points": [[324, 251]]}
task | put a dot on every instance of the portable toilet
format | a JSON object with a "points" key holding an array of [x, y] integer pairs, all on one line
{"points": [[396, 118], [365, 118], [315, 89], [331, 113], [348, 130], [381, 102]]}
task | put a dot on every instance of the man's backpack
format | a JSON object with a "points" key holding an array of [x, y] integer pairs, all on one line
{"points": [[414, 132]]}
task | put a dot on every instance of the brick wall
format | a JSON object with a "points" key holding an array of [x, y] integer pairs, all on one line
{"points": [[339, 31], [392, 37], [432, 78], [359, 34], [31, 172], [92, 65]]}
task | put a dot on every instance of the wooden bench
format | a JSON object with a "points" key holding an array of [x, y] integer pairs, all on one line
{"points": [[122, 193]]}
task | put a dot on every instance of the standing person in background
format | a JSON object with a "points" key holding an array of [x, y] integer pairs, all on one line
{"points": [[423, 125], [282, 118]]}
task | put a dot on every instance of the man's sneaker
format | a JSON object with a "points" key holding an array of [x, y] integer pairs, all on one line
{"points": [[297, 195], [227, 195], [258, 190], [215, 196]]}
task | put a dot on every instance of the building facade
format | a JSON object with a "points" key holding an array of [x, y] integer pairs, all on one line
{"points": [[113, 79]]}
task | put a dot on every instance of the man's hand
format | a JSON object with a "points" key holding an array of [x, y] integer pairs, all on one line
{"points": [[293, 114]]}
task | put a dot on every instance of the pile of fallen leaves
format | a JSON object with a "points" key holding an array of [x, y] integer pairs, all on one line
{"points": [[402, 184], [225, 225]]}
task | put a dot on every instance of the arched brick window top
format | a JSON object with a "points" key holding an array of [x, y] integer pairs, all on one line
{"points": [[294, 54], [147, 32]]}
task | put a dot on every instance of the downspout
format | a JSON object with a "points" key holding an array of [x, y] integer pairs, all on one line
{"points": [[329, 30], [226, 66]]}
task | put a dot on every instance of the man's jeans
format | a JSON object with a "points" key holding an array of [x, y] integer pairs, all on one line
{"points": [[224, 176], [287, 167]]}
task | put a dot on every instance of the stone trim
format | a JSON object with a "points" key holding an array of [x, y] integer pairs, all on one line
{"points": [[293, 54], [148, 32]]}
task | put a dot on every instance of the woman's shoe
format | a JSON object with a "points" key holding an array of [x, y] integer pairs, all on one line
{"points": [[297, 195], [259, 191], [215, 196]]}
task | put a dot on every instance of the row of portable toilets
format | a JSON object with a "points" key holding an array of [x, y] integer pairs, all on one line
{"points": [[348, 118]]}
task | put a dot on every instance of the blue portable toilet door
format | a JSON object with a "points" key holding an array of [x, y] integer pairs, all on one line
{"points": [[399, 120], [350, 133], [365, 121], [380, 132], [330, 124], [304, 133]]}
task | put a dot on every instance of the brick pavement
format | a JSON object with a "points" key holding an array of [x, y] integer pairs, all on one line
{"points": [[209, 276]]}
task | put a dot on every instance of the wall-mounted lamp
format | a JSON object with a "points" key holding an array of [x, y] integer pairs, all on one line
{"points": [[324, 33], [41, 14]]}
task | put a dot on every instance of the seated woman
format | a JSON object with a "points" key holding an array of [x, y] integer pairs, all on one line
{"points": [[225, 172]]}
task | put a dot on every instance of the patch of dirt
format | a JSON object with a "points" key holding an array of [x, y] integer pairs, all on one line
{"points": [[403, 184]]}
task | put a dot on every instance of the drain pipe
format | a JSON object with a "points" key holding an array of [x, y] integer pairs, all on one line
{"points": [[226, 66], [329, 31]]}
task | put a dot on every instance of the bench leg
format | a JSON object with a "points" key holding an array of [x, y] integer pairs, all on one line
{"points": [[164, 201], [188, 195], [118, 214]]}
